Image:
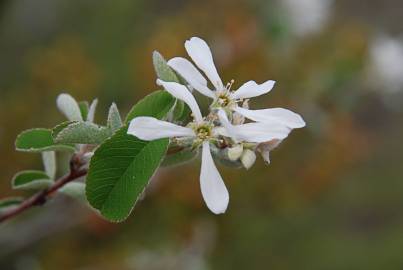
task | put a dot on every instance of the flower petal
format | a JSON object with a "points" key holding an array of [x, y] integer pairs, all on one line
{"points": [[280, 115], [149, 128], [91, 111], [181, 92], [252, 89], [212, 186], [254, 132], [190, 73], [200, 53]]}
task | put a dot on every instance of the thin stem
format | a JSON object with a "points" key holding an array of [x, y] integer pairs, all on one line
{"points": [[42, 196]]}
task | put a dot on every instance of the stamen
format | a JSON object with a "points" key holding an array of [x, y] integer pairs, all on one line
{"points": [[229, 84]]}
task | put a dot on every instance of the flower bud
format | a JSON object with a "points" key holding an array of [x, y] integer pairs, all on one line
{"points": [[266, 156], [265, 149], [234, 153], [238, 119], [248, 158], [87, 156]]}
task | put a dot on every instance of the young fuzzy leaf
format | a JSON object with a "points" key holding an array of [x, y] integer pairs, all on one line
{"points": [[75, 190], [56, 130], [39, 140], [69, 107], [31, 180], [157, 104], [7, 203], [83, 133], [84, 108], [123, 165], [49, 162], [114, 120], [164, 72], [91, 111]]}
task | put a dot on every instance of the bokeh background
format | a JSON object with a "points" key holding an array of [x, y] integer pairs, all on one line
{"points": [[332, 197]]}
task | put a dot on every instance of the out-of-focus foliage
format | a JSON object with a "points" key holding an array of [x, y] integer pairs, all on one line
{"points": [[332, 197]]}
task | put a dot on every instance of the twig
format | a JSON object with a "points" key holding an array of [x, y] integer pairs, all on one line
{"points": [[42, 196]]}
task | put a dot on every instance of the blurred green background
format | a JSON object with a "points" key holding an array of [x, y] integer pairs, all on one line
{"points": [[332, 197]]}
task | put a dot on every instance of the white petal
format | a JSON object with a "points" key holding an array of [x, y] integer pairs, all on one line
{"points": [[280, 115], [229, 129], [261, 132], [212, 186], [49, 162], [190, 73], [149, 128], [91, 111], [200, 53], [254, 132], [69, 107], [181, 92], [252, 89]]}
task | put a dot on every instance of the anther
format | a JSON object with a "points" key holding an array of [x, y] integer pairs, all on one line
{"points": [[229, 84]]}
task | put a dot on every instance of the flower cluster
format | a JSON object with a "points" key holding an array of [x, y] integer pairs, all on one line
{"points": [[223, 130]]}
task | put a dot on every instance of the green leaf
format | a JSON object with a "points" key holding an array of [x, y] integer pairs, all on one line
{"points": [[75, 190], [39, 140], [114, 120], [84, 108], [164, 72], [157, 104], [49, 162], [119, 171], [122, 166], [10, 202], [31, 180], [69, 107], [83, 133]]}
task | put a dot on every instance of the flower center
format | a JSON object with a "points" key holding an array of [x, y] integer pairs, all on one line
{"points": [[223, 99], [203, 132]]}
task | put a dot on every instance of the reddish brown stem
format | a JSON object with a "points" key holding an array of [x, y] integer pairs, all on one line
{"points": [[42, 196]]}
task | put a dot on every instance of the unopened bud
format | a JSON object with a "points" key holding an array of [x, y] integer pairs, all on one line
{"points": [[234, 153], [266, 156], [248, 158], [238, 119], [265, 149], [87, 156]]}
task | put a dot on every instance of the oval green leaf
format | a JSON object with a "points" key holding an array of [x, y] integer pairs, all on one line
{"points": [[31, 180], [39, 140], [119, 171], [123, 165]]}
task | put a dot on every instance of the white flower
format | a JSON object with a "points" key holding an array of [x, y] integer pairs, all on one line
{"points": [[222, 95], [212, 186], [307, 16], [386, 63]]}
